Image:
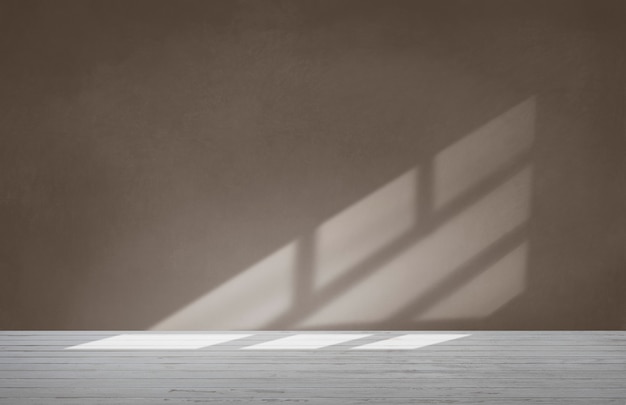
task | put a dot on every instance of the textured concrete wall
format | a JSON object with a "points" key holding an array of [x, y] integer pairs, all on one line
{"points": [[211, 164]]}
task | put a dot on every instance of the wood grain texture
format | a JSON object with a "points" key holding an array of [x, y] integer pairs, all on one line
{"points": [[504, 368]]}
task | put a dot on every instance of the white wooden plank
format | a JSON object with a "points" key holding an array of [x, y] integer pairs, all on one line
{"points": [[503, 367], [317, 401], [473, 335], [329, 392], [274, 373], [320, 357], [310, 366], [379, 381], [430, 351]]}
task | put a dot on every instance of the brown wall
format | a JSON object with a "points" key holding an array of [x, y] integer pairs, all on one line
{"points": [[312, 164]]}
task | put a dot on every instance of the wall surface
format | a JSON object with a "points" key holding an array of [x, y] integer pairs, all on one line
{"points": [[306, 164]]}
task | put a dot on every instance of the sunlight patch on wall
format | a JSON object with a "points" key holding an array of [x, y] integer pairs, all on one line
{"points": [[484, 152], [249, 300], [487, 292], [419, 268], [377, 260], [367, 226]]}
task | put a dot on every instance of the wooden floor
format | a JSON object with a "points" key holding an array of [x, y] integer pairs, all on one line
{"points": [[499, 368]]}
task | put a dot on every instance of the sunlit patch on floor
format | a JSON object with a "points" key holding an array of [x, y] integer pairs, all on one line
{"points": [[301, 341], [306, 341], [408, 342], [158, 341]]}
